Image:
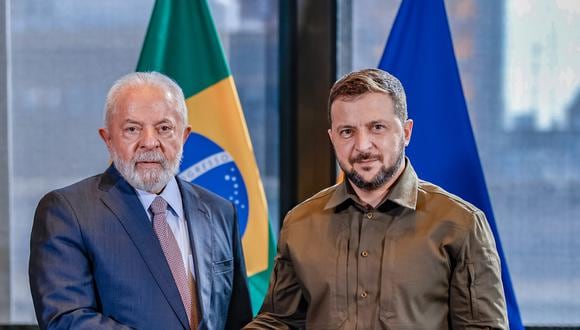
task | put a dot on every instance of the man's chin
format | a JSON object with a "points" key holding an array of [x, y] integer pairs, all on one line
{"points": [[367, 174], [148, 172], [372, 167], [150, 184], [367, 179], [148, 179]]}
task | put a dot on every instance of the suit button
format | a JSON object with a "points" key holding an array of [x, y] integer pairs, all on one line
{"points": [[369, 215], [364, 294], [365, 253]]}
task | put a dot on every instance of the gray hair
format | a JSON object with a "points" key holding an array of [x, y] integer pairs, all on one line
{"points": [[141, 79], [357, 83]]}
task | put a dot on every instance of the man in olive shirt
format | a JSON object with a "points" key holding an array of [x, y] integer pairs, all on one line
{"points": [[383, 249]]}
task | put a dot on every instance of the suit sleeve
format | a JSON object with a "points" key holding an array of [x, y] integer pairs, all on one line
{"points": [[61, 279], [476, 293], [284, 305], [239, 310]]}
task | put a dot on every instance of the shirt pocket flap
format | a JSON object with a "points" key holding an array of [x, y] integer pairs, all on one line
{"points": [[223, 266]]}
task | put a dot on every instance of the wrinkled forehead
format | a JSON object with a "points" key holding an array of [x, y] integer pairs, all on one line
{"points": [[367, 104]]}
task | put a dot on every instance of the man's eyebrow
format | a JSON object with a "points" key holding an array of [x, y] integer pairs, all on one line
{"points": [[344, 126], [132, 121], [164, 121], [379, 121]]}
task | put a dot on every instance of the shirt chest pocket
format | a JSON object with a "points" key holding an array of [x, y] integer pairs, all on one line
{"points": [[414, 283], [223, 266], [325, 279], [338, 302]]}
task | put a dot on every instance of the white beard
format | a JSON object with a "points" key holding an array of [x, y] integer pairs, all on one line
{"points": [[151, 180]]}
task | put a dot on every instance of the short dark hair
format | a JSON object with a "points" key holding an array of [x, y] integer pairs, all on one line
{"points": [[357, 83]]}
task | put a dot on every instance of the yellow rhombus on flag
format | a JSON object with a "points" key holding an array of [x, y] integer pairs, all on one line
{"points": [[182, 43]]}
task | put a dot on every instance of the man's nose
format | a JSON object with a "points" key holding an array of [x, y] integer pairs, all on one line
{"points": [[149, 138], [363, 141]]}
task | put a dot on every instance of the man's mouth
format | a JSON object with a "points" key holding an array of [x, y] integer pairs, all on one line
{"points": [[367, 160], [148, 164]]}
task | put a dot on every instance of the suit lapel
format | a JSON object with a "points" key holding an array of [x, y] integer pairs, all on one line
{"points": [[122, 200], [200, 237]]}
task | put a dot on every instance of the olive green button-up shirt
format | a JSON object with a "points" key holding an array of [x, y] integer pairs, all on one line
{"points": [[423, 259]]}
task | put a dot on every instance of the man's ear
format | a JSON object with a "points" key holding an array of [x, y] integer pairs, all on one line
{"points": [[408, 130], [105, 136], [186, 133], [332, 137]]}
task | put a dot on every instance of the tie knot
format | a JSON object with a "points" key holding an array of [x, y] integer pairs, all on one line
{"points": [[158, 206]]}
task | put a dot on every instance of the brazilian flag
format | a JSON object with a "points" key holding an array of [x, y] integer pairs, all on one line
{"points": [[182, 43]]}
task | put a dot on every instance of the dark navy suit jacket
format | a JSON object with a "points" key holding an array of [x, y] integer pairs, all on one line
{"points": [[95, 262]]}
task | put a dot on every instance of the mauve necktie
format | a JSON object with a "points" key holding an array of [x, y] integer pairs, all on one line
{"points": [[184, 282]]}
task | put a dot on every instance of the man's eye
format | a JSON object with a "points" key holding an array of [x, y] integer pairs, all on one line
{"points": [[378, 127], [131, 129], [164, 129], [346, 132]]}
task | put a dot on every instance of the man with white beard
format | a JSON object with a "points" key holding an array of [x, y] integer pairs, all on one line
{"points": [[137, 247]]}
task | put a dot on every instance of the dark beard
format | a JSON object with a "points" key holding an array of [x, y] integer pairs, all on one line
{"points": [[385, 174], [379, 180]]}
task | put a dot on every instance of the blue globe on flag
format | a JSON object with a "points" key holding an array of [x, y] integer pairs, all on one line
{"points": [[208, 165]]}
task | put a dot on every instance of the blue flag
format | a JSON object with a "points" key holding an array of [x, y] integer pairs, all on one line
{"points": [[419, 52]]}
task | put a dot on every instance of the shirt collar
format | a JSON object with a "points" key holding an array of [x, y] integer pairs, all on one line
{"points": [[170, 194], [403, 192]]}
